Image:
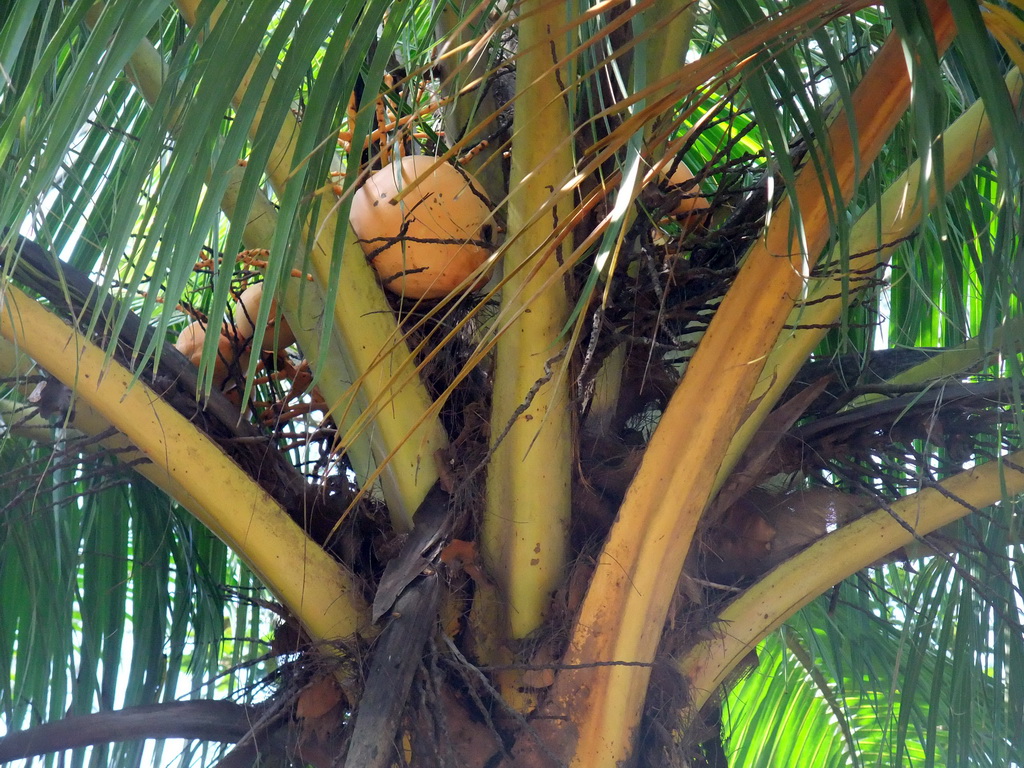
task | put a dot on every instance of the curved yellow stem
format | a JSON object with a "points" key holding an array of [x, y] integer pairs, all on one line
{"points": [[638, 570], [791, 586], [196, 472], [872, 240]]}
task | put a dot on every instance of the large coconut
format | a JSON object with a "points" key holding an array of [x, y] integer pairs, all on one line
{"points": [[190, 344], [426, 245], [244, 316], [692, 209]]}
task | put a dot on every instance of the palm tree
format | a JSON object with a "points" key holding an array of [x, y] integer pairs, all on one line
{"points": [[721, 466]]}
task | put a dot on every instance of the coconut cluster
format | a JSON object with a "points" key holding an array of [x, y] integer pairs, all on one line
{"points": [[428, 231]]}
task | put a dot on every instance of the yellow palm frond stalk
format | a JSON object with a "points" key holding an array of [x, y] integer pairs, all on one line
{"points": [[671, 27], [638, 570], [465, 28], [787, 589], [955, 360], [525, 526], [23, 418], [872, 240], [193, 470]]}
